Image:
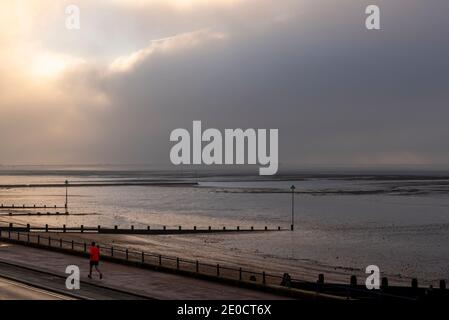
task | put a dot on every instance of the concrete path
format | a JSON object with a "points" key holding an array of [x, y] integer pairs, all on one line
{"points": [[147, 283], [12, 290], [55, 283]]}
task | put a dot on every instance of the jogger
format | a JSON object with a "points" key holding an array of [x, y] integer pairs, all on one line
{"points": [[94, 259]]}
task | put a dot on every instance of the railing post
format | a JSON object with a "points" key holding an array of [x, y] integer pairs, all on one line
{"points": [[240, 274], [63, 228], [197, 264], [38, 239], [414, 284], [85, 247], [18, 235], [49, 241], [177, 263], [160, 260], [82, 228], [46, 228], [320, 278], [10, 226], [218, 270], [353, 281], [126, 254], [143, 257], [73, 245], [194, 228], [132, 228], [112, 251], [210, 228], [252, 228], [179, 228], [264, 280], [60, 243], [28, 227], [165, 228], [98, 229], [384, 283], [28, 238], [238, 228]]}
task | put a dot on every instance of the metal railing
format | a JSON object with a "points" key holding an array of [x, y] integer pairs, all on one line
{"points": [[217, 271], [148, 258]]}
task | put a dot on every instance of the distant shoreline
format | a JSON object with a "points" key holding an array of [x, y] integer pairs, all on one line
{"points": [[99, 184]]}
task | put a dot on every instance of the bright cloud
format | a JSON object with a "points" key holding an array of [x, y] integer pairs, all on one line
{"points": [[176, 43]]}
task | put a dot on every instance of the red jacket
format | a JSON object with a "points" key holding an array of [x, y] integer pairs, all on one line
{"points": [[94, 254]]}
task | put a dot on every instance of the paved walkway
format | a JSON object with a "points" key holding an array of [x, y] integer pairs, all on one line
{"points": [[12, 290], [157, 285]]}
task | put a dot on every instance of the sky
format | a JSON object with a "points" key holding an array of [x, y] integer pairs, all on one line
{"points": [[112, 91]]}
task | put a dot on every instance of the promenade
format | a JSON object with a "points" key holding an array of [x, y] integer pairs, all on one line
{"points": [[12, 290], [43, 267]]}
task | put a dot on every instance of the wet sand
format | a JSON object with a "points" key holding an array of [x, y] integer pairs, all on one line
{"points": [[177, 246]]}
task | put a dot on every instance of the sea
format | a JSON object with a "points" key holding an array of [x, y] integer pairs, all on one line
{"points": [[344, 220]]}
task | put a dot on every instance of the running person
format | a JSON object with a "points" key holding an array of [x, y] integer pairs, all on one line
{"points": [[94, 259]]}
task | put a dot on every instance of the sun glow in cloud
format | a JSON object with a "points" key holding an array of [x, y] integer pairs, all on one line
{"points": [[49, 65]]}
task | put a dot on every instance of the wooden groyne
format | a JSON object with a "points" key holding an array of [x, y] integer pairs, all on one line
{"points": [[385, 292], [57, 213], [144, 231], [34, 206]]}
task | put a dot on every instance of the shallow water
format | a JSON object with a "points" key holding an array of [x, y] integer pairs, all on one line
{"points": [[400, 225]]}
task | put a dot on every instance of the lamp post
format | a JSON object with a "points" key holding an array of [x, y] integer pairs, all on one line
{"points": [[292, 188], [66, 195]]}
